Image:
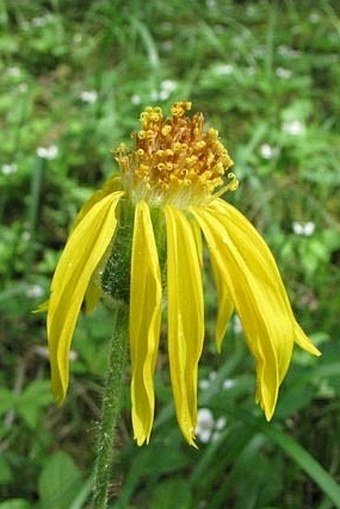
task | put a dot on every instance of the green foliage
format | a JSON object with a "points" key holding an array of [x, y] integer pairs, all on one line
{"points": [[59, 482], [74, 77], [15, 504], [30, 404], [171, 493]]}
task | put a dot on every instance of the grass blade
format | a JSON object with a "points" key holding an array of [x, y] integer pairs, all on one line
{"points": [[309, 464]]}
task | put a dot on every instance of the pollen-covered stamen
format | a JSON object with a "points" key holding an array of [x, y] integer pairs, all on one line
{"points": [[173, 158]]}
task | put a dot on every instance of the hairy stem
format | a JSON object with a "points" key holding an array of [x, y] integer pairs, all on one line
{"points": [[110, 408]]}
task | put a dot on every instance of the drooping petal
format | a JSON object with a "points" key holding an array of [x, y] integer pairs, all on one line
{"points": [[93, 292], [185, 317], [84, 249], [225, 305], [145, 317], [257, 293], [244, 234], [304, 342]]}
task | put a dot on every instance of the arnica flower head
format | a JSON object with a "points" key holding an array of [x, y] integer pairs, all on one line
{"points": [[141, 237]]}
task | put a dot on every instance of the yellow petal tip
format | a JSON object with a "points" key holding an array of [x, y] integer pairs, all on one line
{"points": [[42, 308]]}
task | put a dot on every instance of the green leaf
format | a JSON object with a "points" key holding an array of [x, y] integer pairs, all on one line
{"points": [[6, 400], [82, 494], [171, 493], [5, 471], [31, 403], [60, 482], [38, 391], [309, 464], [15, 503], [159, 458]]}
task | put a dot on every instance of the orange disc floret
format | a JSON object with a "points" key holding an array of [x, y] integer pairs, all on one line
{"points": [[173, 158]]}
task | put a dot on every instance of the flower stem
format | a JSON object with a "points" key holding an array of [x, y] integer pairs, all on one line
{"points": [[110, 408]]}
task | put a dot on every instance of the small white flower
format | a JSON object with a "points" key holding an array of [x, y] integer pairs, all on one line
{"points": [[236, 325], [204, 435], [204, 384], [164, 95], [135, 99], [88, 96], [283, 73], [8, 169], [221, 423], [228, 383], [314, 17], [14, 72], [224, 69], [166, 89], [168, 85], [267, 151], [205, 425], [294, 127], [207, 428], [73, 356], [48, 152], [34, 291], [307, 229], [42, 351]]}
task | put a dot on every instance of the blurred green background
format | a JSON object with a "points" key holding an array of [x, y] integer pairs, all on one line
{"points": [[74, 77]]}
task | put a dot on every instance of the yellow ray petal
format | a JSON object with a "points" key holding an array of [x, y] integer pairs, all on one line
{"points": [[145, 317], [185, 317], [93, 292], [112, 185], [42, 308], [225, 305], [244, 233], [83, 251], [304, 342], [198, 239], [258, 298]]}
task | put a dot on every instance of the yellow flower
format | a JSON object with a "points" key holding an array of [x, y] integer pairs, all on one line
{"points": [[150, 220]]}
